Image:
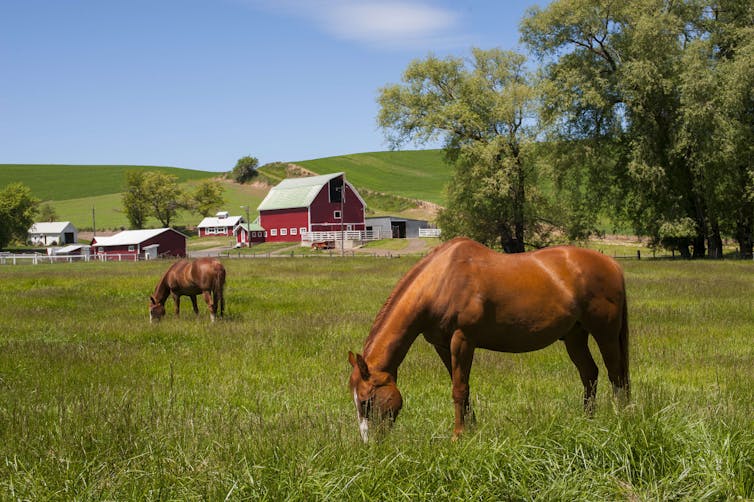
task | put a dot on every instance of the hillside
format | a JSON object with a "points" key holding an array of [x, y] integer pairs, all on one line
{"points": [[415, 174], [390, 182], [56, 182]]}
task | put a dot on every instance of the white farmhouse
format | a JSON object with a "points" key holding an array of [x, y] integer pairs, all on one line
{"points": [[53, 233]]}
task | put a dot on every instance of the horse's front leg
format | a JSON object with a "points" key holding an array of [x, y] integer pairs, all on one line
{"points": [[210, 304], [444, 353], [177, 300], [461, 357], [193, 303]]}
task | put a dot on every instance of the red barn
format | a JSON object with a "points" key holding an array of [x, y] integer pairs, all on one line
{"points": [[169, 242], [313, 204]]}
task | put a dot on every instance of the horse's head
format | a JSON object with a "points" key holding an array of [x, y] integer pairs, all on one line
{"points": [[375, 395], [156, 310]]}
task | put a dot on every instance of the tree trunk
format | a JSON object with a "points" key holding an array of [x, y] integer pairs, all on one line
{"points": [[683, 248], [510, 242], [744, 237], [698, 243], [519, 202], [715, 241]]}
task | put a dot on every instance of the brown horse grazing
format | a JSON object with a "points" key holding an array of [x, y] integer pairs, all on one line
{"points": [[204, 276], [464, 296]]}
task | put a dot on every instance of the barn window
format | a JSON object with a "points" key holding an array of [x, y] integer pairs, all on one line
{"points": [[336, 215], [274, 232], [302, 230], [283, 231], [293, 230], [130, 248], [336, 189]]}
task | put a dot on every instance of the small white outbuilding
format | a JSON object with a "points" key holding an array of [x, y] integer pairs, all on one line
{"points": [[53, 233]]}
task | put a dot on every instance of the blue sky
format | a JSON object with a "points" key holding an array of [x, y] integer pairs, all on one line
{"points": [[200, 83]]}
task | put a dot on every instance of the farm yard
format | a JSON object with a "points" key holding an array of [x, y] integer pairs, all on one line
{"points": [[96, 403]]}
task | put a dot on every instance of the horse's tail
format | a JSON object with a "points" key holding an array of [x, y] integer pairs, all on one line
{"points": [[219, 289], [623, 344]]}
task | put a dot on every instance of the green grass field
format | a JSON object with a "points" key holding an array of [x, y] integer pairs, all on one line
{"points": [[63, 182], [96, 403]]}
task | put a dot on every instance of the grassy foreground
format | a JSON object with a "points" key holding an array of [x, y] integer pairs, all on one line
{"points": [[96, 403]]}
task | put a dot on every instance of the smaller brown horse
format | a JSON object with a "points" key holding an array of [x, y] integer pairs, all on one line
{"points": [[204, 276], [463, 296]]}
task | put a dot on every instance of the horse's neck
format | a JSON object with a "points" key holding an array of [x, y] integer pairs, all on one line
{"points": [[392, 336], [162, 290]]}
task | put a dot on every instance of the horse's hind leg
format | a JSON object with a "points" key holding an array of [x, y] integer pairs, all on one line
{"points": [[577, 345], [219, 301], [210, 304], [616, 364]]}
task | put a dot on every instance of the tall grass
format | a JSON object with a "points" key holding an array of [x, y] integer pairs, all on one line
{"points": [[96, 403]]}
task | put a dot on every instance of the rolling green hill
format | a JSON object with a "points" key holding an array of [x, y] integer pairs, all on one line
{"points": [[61, 182], [386, 180], [109, 212], [416, 174]]}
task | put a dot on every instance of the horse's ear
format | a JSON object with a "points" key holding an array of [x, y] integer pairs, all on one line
{"points": [[357, 361]]}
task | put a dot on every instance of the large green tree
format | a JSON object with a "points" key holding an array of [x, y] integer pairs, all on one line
{"points": [[638, 82], [163, 196], [207, 198], [482, 109], [152, 194], [134, 199], [17, 210]]}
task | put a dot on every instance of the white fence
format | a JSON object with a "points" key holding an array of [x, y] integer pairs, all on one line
{"points": [[36, 259], [348, 235], [429, 232]]}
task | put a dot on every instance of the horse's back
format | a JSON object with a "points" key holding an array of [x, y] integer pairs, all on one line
{"points": [[577, 271], [521, 301], [208, 273]]}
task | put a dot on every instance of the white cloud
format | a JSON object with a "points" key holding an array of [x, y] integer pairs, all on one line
{"points": [[385, 24], [379, 22]]}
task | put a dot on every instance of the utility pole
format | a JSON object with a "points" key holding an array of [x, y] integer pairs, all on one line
{"points": [[94, 226], [342, 216], [248, 227]]}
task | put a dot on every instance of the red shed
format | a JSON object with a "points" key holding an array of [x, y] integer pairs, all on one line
{"points": [[169, 242], [253, 233], [313, 204]]}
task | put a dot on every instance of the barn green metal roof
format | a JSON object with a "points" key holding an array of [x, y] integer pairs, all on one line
{"points": [[295, 192]]}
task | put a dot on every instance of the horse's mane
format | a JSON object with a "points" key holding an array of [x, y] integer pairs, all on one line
{"points": [[163, 279], [398, 291]]}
